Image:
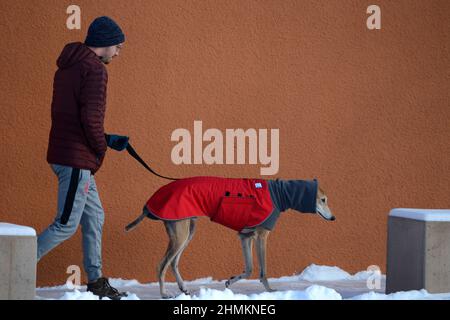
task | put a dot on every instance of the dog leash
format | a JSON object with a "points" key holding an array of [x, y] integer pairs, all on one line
{"points": [[134, 154]]}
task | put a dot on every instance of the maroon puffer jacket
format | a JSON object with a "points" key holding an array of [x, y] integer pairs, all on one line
{"points": [[78, 109]]}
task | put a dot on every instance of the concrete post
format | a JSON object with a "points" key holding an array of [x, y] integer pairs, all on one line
{"points": [[418, 250], [18, 251]]}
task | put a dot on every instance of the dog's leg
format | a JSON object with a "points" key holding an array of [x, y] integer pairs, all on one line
{"points": [[247, 244], [261, 241], [175, 261], [178, 232]]}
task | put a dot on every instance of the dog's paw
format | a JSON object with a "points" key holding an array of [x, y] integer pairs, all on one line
{"points": [[186, 292], [167, 296]]}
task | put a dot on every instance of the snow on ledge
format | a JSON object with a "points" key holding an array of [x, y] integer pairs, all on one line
{"points": [[8, 229], [422, 214]]}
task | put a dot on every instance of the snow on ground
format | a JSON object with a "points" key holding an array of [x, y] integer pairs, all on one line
{"points": [[403, 295], [314, 292], [314, 283], [78, 295]]}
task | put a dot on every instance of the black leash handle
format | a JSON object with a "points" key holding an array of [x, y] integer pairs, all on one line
{"points": [[134, 154]]}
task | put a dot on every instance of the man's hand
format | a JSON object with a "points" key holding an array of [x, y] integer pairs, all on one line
{"points": [[99, 163], [116, 142]]}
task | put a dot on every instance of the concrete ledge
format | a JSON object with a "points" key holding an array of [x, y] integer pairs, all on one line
{"points": [[18, 250], [418, 250]]}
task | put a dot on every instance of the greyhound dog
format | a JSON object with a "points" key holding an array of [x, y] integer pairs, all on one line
{"points": [[249, 206]]}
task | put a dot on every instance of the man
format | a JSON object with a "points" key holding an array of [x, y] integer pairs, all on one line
{"points": [[77, 146]]}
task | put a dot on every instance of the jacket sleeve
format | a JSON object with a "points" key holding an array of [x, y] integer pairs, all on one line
{"points": [[92, 108]]}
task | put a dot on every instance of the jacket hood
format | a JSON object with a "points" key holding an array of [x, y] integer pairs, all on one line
{"points": [[73, 53], [299, 195]]}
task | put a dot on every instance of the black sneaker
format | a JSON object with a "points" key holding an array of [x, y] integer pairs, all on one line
{"points": [[103, 289]]}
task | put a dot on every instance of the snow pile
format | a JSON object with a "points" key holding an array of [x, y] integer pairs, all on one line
{"points": [[403, 295], [314, 292], [323, 273], [78, 295], [79, 292], [118, 282], [314, 273]]}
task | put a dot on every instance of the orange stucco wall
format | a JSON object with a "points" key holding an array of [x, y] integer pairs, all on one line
{"points": [[366, 112]]}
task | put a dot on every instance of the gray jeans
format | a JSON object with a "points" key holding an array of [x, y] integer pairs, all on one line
{"points": [[78, 203]]}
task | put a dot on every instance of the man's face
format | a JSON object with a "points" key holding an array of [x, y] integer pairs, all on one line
{"points": [[110, 52]]}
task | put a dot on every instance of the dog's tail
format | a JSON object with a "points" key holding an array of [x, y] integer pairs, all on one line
{"points": [[133, 224]]}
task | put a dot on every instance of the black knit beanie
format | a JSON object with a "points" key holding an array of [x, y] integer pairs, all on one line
{"points": [[104, 32]]}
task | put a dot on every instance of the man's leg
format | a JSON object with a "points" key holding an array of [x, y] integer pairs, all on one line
{"points": [[71, 203], [92, 227]]}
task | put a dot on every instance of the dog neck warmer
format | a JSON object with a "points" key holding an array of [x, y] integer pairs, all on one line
{"points": [[299, 195]]}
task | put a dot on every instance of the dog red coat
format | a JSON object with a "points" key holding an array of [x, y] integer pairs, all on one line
{"points": [[234, 203]]}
